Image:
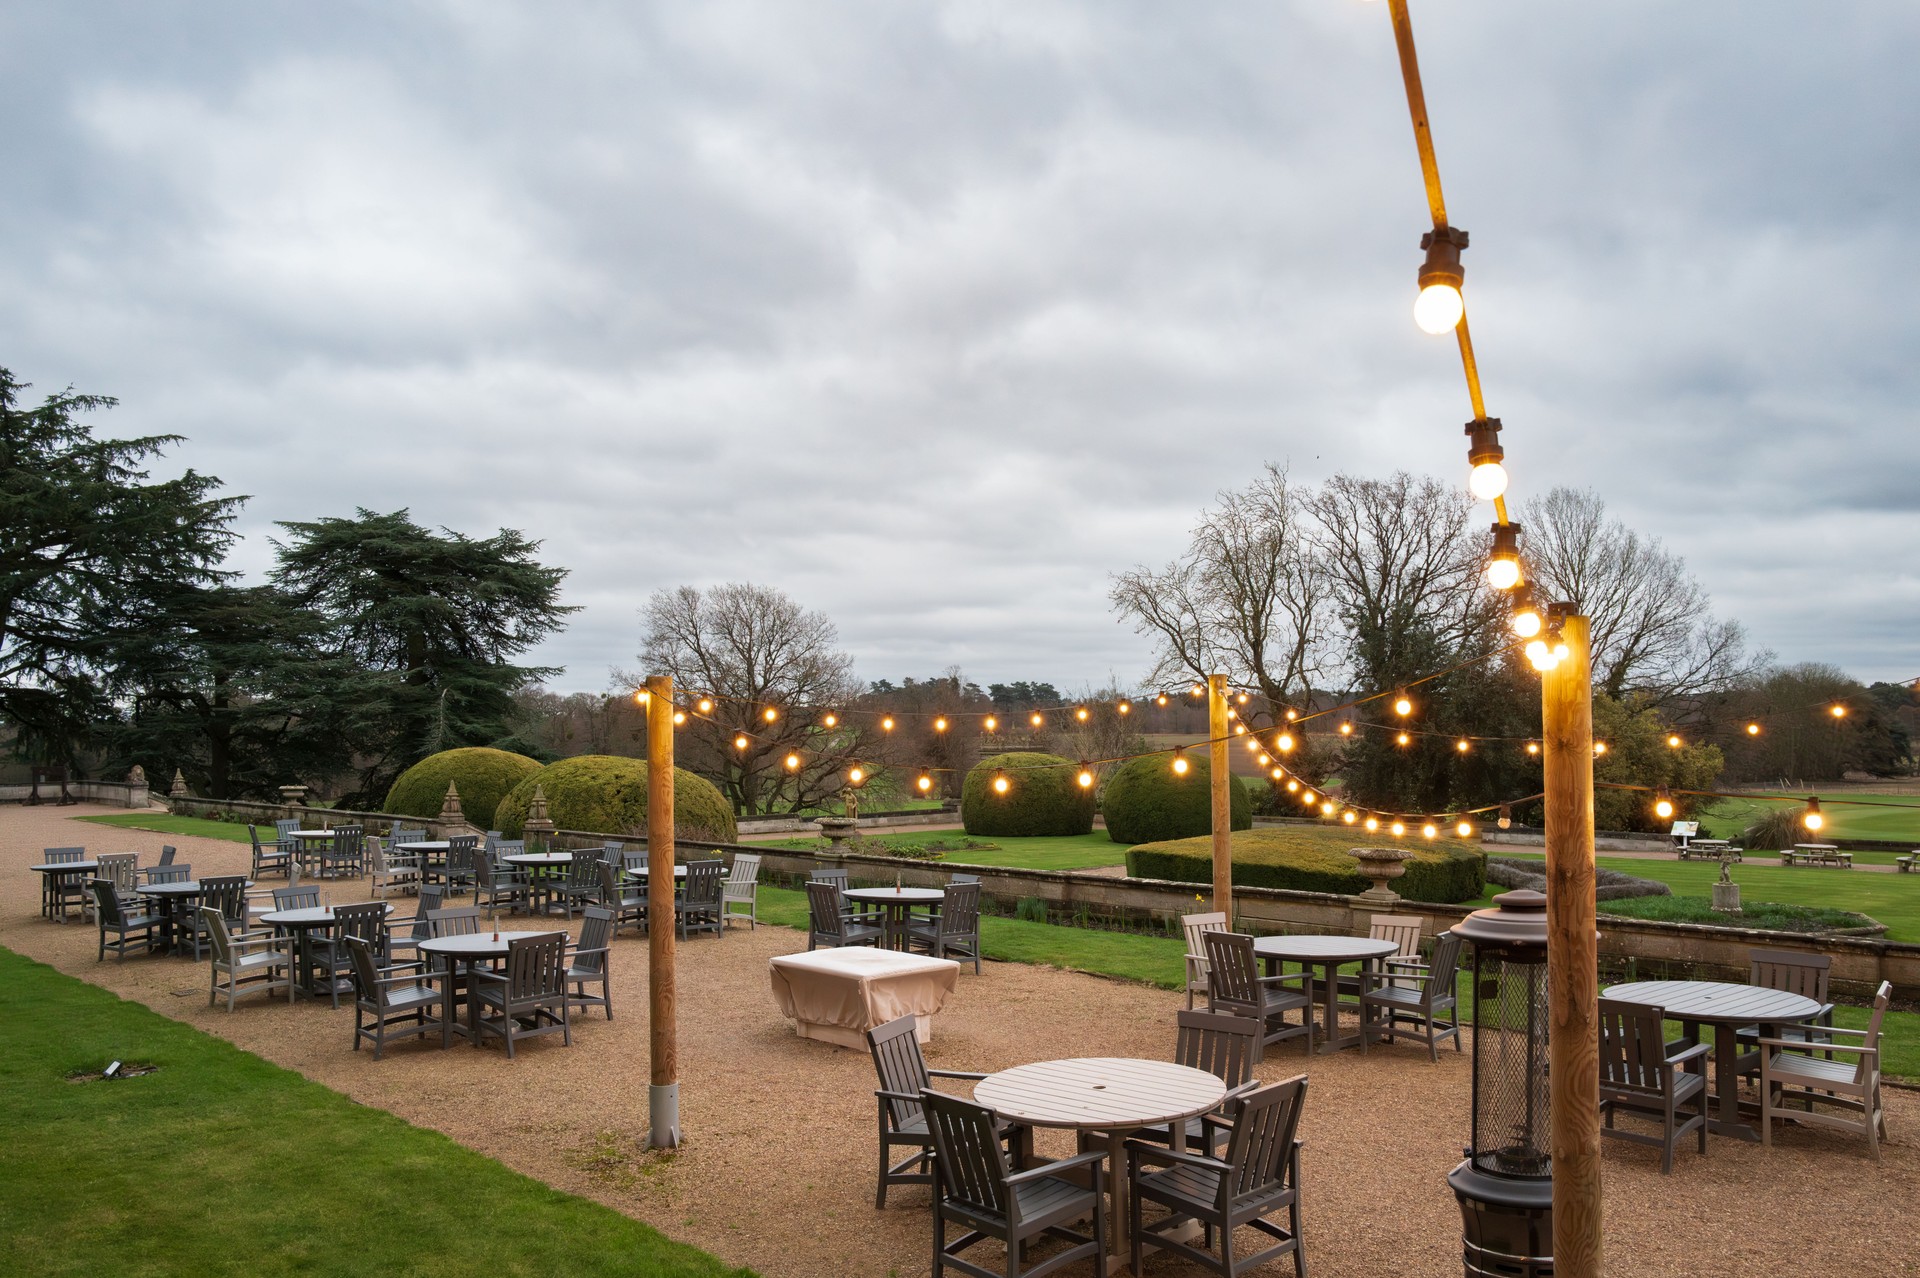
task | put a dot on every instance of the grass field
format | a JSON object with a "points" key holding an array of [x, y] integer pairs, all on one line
{"points": [[1901, 823], [161, 823], [220, 1163]]}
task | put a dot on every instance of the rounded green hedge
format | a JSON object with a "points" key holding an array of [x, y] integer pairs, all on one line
{"points": [[483, 776], [1310, 859], [1044, 797], [1147, 800], [607, 794]]}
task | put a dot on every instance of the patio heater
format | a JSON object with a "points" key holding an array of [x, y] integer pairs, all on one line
{"points": [[1505, 1186]]}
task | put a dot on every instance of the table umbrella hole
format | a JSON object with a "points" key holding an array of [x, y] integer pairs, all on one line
{"points": [[115, 1069]]}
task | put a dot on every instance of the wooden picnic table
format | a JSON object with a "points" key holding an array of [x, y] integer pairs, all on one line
{"points": [[1817, 854]]}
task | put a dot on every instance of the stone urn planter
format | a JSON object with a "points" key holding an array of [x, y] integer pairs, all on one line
{"points": [[837, 830], [1381, 866]]}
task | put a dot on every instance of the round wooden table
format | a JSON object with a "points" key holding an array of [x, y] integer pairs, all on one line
{"points": [[1727, 1008], [303, 923], [539, 860], [1115, 1096], [52, 880], [897, 901], [1327, 953], [172, 898], [472, 949]]}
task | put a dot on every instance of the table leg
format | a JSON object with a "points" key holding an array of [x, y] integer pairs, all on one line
{"points": [[1119, 1241], [1726, 1119]]}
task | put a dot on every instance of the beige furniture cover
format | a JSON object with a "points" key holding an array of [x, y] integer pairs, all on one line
{"points": [[838, 995]]}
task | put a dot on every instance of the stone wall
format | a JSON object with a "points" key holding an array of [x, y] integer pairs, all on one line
{"points": [[115, 793]]}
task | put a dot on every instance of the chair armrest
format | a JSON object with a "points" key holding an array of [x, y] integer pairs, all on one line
{"points": [[1396, 960], [1840, 1029], [390, 977], [1151, 1153], [574, 953], [1087, 1159], [886, 1095], [1692, 1053], [482, 974], [1281, 980], [955, 1073], [1801, 1045], [253, 941]]}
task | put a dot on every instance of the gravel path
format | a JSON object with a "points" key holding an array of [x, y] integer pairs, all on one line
{"points": [[777, 1172]]}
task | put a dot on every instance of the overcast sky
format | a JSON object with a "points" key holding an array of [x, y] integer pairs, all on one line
{"points": [[935, 314]]}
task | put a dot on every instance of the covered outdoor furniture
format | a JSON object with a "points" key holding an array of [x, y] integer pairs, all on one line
{"points": [[1640, 1075], [742, 888], [829, 923], [697, 908], [1224, 1046], [903, 1075], [396, 1003], [954, 928], [978, 1191], [1235, 985], [1196, 926], [1258, 1177], [588, 963], [1844, 1077], [529, 997], [269, 857], [250, 965], [128, 919], [1414, 1000], [838, 995], [627, 901]]}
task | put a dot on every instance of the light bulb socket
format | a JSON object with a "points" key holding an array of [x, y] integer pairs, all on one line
{"points": [[1443, 245], [1483, 442], [1506, 543]]}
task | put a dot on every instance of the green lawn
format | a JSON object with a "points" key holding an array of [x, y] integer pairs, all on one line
{"points": [[161, 823], [1060, 852], [1728, 817], [221, 1163]]}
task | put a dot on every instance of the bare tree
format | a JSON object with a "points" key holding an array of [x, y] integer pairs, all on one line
{"points": [[754, 650], [1652, 629], [1246, 599]]}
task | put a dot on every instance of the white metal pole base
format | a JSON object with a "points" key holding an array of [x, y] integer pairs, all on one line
{"points": [[663, 1116]]}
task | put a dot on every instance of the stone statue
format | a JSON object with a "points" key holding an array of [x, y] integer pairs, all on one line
{"points": [[138, 776], [850, 798]]}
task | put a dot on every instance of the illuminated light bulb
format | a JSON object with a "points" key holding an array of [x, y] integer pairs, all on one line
{"points": [[1081, 714], [1239, 729], [940, 724], [1527, 623], [831, 719], [1402, 706], [1599, 747], [1503, 574], [1232, 713], [1561, 652], [856, 774], [642, 697], [1179, 763], [1309, 798], [990, 723], [924, 782], [1540, 655], [1199, 689], [793, 763], [1753, 729], [1487, 481], [1326, 809], [1291, 785], [770, 714], [1464, 829], [1278, 773], [1000, 783], [1429, 830], [1839, 712], [1241, 699], [1346, 729], [1506, 816], [1266, 761], [1292, 714], [1397, 829], [1125, 707], [1439, 309], [740, 742], [1373, 823], [704, 705], [1533, 747], [679, 718], [1663, 804], [1402, 739], [886, 724], [1036, 718], [1284, 742], [1503, 561], [1160, 700], [1673, 742], [1811, 818], [1086, 777], [1348, 817], [1463, 745]]}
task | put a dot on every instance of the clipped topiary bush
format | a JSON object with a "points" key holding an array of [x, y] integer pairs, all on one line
{"points": [[1146, 800], [1043, 797], [607, 794], [1306, 859], [483, 775]]}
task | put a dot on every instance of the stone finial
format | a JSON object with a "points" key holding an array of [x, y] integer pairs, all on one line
{"points": [[450, 814], [138, 776], [539, 829], [179, 788], [537, 807]]}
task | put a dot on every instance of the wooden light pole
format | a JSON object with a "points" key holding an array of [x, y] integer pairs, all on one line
{"points": [[663, 1096], [1566, 749], [1220, 777]]}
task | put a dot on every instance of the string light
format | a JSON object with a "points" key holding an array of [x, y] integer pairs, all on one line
{"points": [[1199, 690], [740, 741], [1373, 823], [1673, 741], [1541, 656], [1503, 562], [1086, 776], [1232, 713], [793, 763], [990, 723], [1081, 714], [1599, 747], [1839, 712], [831, 719], [1402, 739], [1292, 714], [1439, 308], [1284, 742], [1487, 480], [641, 697], [1125, 707], [704, 705], [1160, 700], [1533, 747], [1397, 829], [856, 775], [1402, 706], [770, 714], [1036, 719], [1464, 829], [924, 782], [1348, 817], [1526, 619], [1506, 816], [886, 724], [1292, 785], [1463, 745], [1346, 728], [1180, 763], [679, 718], [1000, 783], [1811, 818], [1663, 803], [1429, 830], [1241, 699], [940, 725], [1753, 729]]}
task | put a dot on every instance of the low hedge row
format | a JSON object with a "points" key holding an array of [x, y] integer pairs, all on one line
{"points": [[1442, 871]]}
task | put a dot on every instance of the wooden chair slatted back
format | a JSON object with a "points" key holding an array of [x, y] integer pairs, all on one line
{"points": [[1222, 1045], [63, 856], [960, 909], [226, 893], [595, 933], [1402, 929], [1864, 1066], [431, 896], [1233, 971], [216, 928], [705, 881], [745, 871], [973, 1167], [167, 853], [458, 920], [1197, 926], [1261, 1150], [366, 974], [1443, 968], [168, 873], [537, 967], [298, 897], [823, 904], [284, 828], [900, 1066], [1633, 1048], [107, 901], [832, 874], [366, 921], [1790, 970], [122, 869], [583, 872]]}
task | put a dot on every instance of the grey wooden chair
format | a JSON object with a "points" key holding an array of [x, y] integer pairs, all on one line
{"points": [[1639, 1075], [697, 908], [1225, 1047], [581, 886], [830, 925], [903, 1076], [976, 1189], [178, 872], [1844, 1077], [837, 875], [1258, 1177], [60, 892], [1404, 931], [1413, 1000], [167, 853], [268, 857], [454, 920], [1798, 973], [346, 856], [402, 943], [226, 893], [122, 869], [385, 871], [589, 962], [298, 896], [628, 901], [1196, 927], [458, 873], [368, 922], [395, 1003], [251, 965], [112, 914], [1235, 986], [529, 997], [954, 928], [742, 888], [495, 882]]}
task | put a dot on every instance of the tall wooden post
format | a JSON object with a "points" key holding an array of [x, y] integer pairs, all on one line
{"points": [[663, 1097], [1222, 777], [1572, 957]]}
